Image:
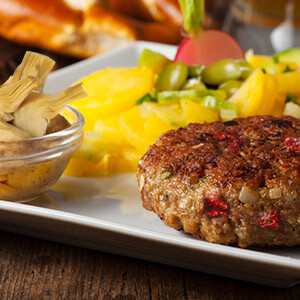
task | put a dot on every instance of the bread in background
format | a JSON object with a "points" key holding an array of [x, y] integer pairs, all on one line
{"points": [[83, 28]]}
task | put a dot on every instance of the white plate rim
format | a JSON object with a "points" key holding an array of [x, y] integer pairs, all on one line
{"points": [[57, 215]]}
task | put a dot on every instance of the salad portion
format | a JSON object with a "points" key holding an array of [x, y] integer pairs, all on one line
{"points": [[129, 108], [258, 85], [209, 87], [210, 79]]}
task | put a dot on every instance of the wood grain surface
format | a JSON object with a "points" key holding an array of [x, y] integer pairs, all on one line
{"points": [[36, 269]]}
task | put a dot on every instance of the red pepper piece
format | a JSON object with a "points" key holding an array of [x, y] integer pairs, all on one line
{"points": [[216, 200], [234, 143], [215, 213], [269, 219], [293, 144]]}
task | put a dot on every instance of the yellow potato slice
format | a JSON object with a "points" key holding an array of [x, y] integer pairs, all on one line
{"points": [[132, 156], [112, 91], [282, 66], [279, 105], [193, 112], [269, 96], [155, 127], [110, 131], [80, 167], [126, 161], [249, 97], [132, 127], [170, 113], [288, 82], [258, 60]]}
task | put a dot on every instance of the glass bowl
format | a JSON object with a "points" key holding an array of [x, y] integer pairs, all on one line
{"points": [[30, 167]]}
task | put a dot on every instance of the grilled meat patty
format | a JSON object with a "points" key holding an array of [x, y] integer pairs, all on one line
{"points": [[236, 182]]}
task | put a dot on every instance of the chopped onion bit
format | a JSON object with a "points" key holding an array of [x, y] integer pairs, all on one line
{"points": [[275, 193], [247, 195]]}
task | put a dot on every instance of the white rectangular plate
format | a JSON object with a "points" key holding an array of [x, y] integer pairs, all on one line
{"points": [[106, 213]]}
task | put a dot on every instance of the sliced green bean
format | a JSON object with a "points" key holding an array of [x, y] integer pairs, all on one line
{"points": [[189, 94]]}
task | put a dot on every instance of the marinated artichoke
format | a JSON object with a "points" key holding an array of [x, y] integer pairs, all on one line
{"points": [[41, 108], [29, 166], [10, 133], [23, 104]]}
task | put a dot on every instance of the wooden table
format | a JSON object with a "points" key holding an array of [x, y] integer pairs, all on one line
{"points": [[36, 269]]}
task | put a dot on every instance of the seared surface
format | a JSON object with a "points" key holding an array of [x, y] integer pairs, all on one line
{"points": [[233, 182]]}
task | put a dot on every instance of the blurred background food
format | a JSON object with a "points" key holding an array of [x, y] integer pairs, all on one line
{"points": [[84, 28], [267, 26], [69, 30]]}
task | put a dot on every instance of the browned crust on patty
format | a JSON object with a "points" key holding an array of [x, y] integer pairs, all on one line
{"points": [[184, 168]]}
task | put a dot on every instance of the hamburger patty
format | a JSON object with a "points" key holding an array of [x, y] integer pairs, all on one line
{"points": [[232, 182]]}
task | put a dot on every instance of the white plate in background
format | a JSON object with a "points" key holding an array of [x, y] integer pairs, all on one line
{"points": [[106, 213]]}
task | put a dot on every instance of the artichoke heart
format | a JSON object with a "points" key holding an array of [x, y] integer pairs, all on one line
{"points": [[36, 112], [12, 95], [10, 133], [5, 116], [33, 64]]}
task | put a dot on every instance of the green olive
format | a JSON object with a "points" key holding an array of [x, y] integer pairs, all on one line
{"points": [[245, 68], [172, 77], [221, 71], [194, 84], [195, 71], [230, 87]]}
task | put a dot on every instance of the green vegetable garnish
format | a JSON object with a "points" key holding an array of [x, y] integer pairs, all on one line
{"points": [[172, 77], [154, 93], [189, 94], [287, 70], [146, 98], [165, 168], [195, 71], [203, 179], [218, 104], [153, 60], [193, 84], [275, 59], [246, 69], [291, 98], [221, 71], [230, 86], [165, 175], [291, 55], [206, 98], [228, 114], [193, 12]]}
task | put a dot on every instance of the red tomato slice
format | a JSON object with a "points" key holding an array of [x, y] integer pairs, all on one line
{"points": [[208, 47]]}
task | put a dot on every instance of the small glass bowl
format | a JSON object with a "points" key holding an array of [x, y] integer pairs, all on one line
{"points": [[30, 167]]}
